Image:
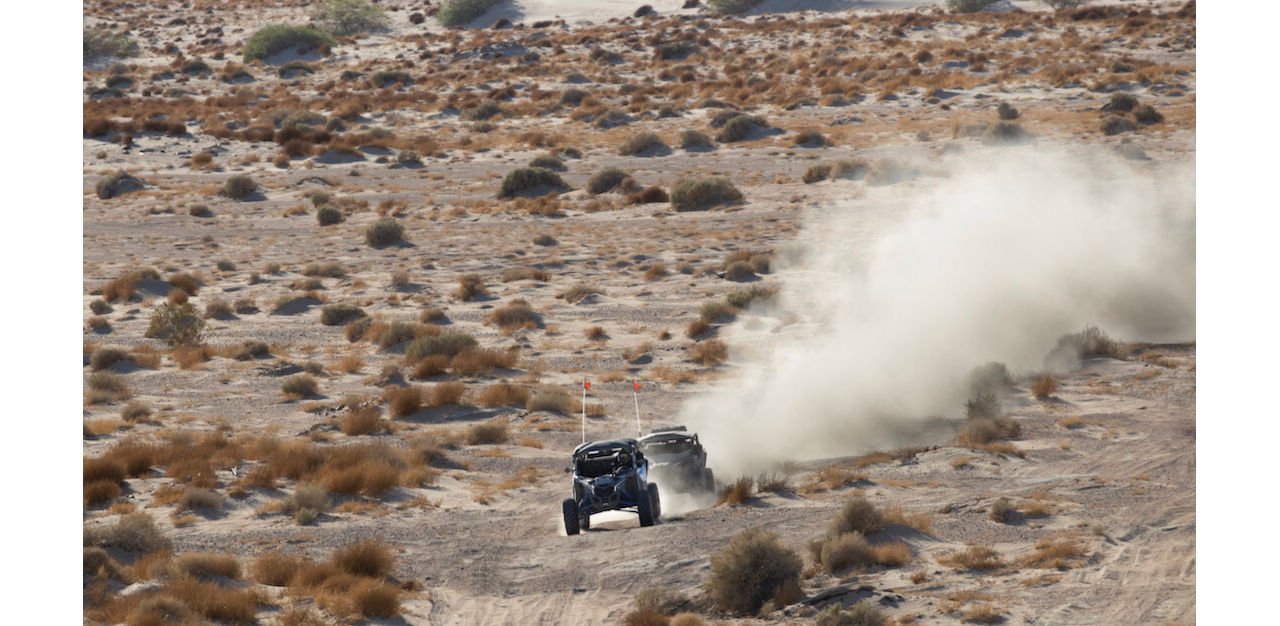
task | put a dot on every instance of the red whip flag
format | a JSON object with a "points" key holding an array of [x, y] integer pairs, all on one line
{"points": [[586, 384], [635, 386]]}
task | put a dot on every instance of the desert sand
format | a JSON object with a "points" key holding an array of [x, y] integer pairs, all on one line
{"points": [[949, 243]]}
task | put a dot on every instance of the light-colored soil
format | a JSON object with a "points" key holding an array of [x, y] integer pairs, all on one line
{"points": [[1108, 460]]}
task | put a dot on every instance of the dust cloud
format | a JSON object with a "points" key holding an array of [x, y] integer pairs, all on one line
{"points": [[890, 300]]}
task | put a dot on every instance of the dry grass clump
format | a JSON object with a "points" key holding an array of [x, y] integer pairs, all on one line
{"points": [[239, 187], [551, 399], [863, 613], [384, 232], [606, 180], [858, 515], [369, 558], [176, 324], [331, 269], [106, 387], [753, 569], [983, 614], [525, 273], [694, 140], [206, 565], [1003, 511], [515, 315], [840, 552], [125, 287], [300, 385], [809, 137], [697, 328], [974, 557], [717, 311], [363, 420], [447, 393], [134, 532], [339, 314], [105, 357], [476, 362], [448, 344], [531, 181], [494, 431], [740, 127], [405, 401], [1062, 552], [199, 498], [1043, 386], [709, 353], [596, 333], [704, 193], [577, 292], [503, 394], [470, 286], [275, 568], [642, 142], [99, 564], [135, 410], [737, 492]]}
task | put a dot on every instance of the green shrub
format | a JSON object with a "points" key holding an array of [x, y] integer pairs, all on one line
{"points": [[844, 551], [641, 142], [101, 42], [573, 96], [349, 17], [135, 532], [605, 180], [526, 179], [299, 385], [484, 111], [274, 38], [176, 324], [704, 193], [751, 570], [448, 344], [382, 79], [239, 187], [338, 314], [105, 357], [968, 6], [328, 216], [118, 184], [459, 12], [384, 232]]}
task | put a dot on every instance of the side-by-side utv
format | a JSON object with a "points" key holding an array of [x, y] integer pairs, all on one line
{"points": [[677, 460], [608, 476]]}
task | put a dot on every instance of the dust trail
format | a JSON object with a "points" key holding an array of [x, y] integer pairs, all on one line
{"points": [[892, 299]]}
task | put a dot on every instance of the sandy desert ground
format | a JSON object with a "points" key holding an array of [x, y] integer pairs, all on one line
{"points": [[894, 236]]}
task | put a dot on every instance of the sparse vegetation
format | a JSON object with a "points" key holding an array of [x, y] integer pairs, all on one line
{"points": [[969, 6], [176, 324], [300, 385], [641, 142], [102, 42], [751, 570], [459, 12], [605, 180], [730, 7], [384, 232], [274, 38], [1043, 386], [528, 180], [704, 193], [239, 187], [350, 17]]}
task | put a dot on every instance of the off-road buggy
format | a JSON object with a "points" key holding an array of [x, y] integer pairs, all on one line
{"points": [[677, 460], [608, 476]]}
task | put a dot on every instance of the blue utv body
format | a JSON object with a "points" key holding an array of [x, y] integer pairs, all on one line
{"points": [[609, 475]]}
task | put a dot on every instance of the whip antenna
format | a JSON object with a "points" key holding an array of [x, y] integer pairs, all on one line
{"points": [[635, 393]]}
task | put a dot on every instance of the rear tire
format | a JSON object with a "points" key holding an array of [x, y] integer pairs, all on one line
{"points": [[655, 503], [708, 480], [584, 522], [570, 510], [644, 507]]}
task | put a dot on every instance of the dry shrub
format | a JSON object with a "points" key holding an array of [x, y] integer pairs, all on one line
{"points": [[191, 357], [107, 387], [447, 393], [370, 558], [1043, 386], [697, 328], [307, 496], [197, 498], [100, 491], [135, 532], [974, 557], [215, 602], [551, 399], [1064, 552], [105, 357], [494, 431], [920, 521], [503, 394], [710, 352], [370, 478], [275, 568], [429, 367], [716, 311], [596, 333], [844, 551], [104, 468], [300, 385], [405, 400], [892, 554], [980, 432], [738, 491], [525, 273], [363, 421], [983, 614], [857, 515], [349, 364], [646, 617], [98, 563], [449, 344], [687, 619], [1003, 511], [206, 565], [750, 571], [577, 292], [371, 599], [476, 362], [516, 314]]}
